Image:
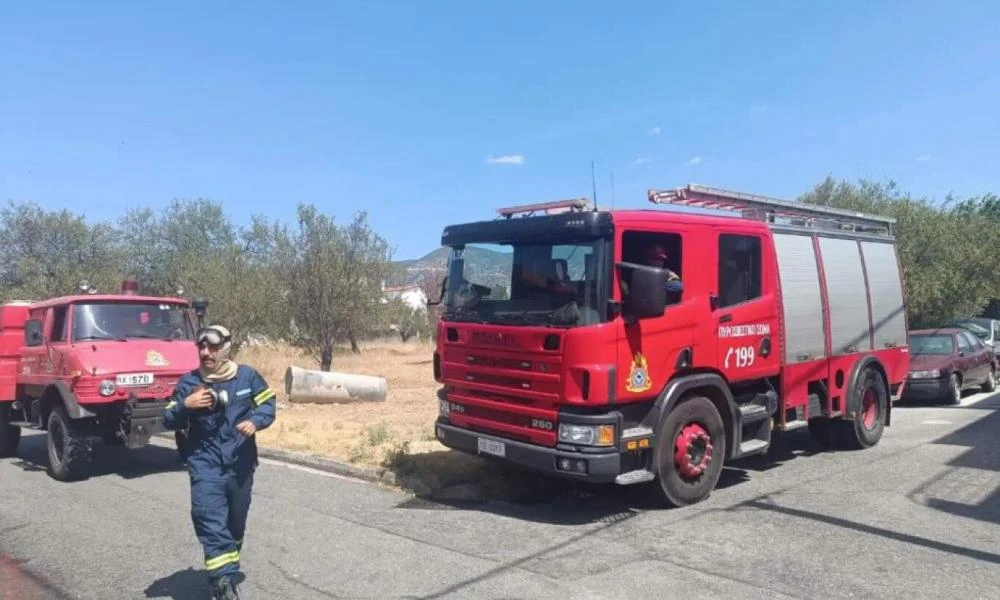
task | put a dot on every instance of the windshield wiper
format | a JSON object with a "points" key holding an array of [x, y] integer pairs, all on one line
{"points": [[148, 336], [84, 338], [462, 316], [526, 318]]}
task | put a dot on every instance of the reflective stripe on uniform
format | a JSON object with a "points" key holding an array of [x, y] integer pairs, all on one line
{"points": [[222, 560], [263, 396], [171, 404]]}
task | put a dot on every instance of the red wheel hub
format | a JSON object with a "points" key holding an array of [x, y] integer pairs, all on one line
{"points": [[869, 408], [692, 450]]}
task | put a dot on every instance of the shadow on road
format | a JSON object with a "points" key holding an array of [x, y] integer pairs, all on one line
{"points": [[872, 530], [524, 495], [943, 402], [970, 485], [183, 585], [32, 456]]}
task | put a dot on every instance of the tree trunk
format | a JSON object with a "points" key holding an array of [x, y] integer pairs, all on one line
{"points": [[326, 359], [354, 344]]}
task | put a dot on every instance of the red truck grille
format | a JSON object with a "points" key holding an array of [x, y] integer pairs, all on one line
{"points": [[493, 392]]}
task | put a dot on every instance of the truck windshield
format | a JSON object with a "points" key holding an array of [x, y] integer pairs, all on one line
{"points": [[536, 283], [124, 320]]}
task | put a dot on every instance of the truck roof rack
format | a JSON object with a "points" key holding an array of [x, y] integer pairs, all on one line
{"points": [[770, 210], [549, 208]]}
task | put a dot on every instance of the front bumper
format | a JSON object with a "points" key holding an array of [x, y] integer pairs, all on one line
{"points": [[926, 389], [598, 467]]}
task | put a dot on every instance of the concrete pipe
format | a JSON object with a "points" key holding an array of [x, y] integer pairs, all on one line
{"points": [[322, 387]]}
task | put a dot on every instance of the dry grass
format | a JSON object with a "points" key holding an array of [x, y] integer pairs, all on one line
{"points": [[368, 434]]}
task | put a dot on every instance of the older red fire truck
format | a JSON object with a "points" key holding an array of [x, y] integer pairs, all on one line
{"points": [[588, 361], [90, 367]]}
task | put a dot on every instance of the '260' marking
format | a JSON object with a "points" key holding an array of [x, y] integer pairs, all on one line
{"points": [[743, 355]]}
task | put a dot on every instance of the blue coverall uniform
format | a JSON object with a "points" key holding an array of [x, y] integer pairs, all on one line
{"points": [[221, 461]]}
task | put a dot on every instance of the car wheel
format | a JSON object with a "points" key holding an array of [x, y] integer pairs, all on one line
{"points": [[954, 389], [991, 381]]}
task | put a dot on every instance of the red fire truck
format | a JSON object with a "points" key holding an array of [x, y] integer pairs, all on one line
{"points": [[588, 360], [89, 367]]}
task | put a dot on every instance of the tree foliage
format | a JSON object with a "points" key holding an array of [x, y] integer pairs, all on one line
{"points": [[946, 250], [331, 278], [318, 287]]}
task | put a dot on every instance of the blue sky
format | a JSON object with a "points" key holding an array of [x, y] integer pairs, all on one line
{"points": [[397, 107]]}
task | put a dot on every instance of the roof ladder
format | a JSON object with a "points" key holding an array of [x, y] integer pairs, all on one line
{"points": [[770, 210], [549, 208]]}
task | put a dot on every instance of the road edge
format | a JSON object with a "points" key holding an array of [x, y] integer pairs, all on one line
{"points": [[321, 463]]}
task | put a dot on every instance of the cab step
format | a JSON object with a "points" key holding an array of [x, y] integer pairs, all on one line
{"points": [[751, 447], [755, 424], [633, 477]]}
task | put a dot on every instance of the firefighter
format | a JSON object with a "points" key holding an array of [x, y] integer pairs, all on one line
{"points": [[656, 256], [223, 404]]}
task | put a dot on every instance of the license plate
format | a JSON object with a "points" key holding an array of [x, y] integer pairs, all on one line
{"points": [[491, 447], [126, 379]]}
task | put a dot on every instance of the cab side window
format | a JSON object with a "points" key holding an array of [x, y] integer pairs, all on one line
{"points": [[963, 343], [58, 324], [659, 249], [740, 271]]}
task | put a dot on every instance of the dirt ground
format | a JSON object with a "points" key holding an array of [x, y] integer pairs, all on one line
{"points": [[397, 433]]}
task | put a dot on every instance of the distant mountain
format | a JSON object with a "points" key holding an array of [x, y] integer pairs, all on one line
{"points": [[481, 265]]}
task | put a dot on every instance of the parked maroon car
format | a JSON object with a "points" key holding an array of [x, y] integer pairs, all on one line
{"points": [[945, 362]]}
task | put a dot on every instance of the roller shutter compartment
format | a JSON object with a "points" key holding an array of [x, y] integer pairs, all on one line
{"points": [[801, 299]]}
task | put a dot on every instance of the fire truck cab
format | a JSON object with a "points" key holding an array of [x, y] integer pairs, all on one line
{"points": [[92, 367], [585, 357]]}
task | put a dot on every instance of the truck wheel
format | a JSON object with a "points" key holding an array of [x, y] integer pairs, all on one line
{"points": [[69, 446], [10, 435], [691, 448], [866, 428]]}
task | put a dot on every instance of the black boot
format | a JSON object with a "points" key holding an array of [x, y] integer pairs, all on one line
{"points": [[225, 589]]}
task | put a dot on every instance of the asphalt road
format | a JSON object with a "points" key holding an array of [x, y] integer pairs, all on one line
{"points": [[917, 516]]}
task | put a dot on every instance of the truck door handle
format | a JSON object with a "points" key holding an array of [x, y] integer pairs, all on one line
{"points": [[725, 318]]}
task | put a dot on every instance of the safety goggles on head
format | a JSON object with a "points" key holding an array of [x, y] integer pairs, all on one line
{"points": [[211, 336]]}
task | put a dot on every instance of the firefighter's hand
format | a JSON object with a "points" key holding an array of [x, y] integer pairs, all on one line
{"points": [[247, 428], [200, 398]]}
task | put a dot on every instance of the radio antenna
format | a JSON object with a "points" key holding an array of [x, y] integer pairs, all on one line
{"points": [[593, 183], [612, 188]]}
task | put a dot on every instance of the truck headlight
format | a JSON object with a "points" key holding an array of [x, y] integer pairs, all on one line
{"points": [[443, 409], [587, 435], [106, 387], [932, 374]]}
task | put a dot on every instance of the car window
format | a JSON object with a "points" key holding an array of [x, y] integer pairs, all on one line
{"points": [[977, 344], [963, 342]]}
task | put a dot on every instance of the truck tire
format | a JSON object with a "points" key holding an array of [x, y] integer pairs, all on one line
{"points": [[70, 446], [865, 429], [10, 435], [690, 451]]}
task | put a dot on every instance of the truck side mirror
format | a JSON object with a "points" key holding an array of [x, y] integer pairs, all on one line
{"points": [[33, 333], [200, 306], [647, 292]]}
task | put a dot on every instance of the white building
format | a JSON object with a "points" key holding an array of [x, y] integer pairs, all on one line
{"points": [[412, 295]]}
